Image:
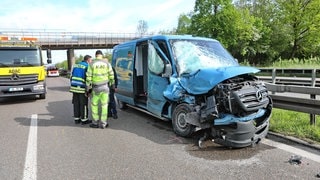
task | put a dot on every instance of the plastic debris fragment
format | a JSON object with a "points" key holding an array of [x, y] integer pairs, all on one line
{"points": [[295, 159]]}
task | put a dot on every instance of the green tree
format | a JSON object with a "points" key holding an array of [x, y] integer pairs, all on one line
{"points": [[258, 31], [63, 65], [108, 56], [260, 48], [301, 19], [236, 29], [184, 23]]}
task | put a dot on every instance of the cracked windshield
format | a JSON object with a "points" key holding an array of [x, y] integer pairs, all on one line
{"points": [[194, 55]]}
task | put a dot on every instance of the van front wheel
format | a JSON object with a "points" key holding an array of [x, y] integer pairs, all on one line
{"points": [[179, 123]]}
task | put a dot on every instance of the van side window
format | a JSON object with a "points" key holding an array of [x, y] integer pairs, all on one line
{"points": [[155, 63]]}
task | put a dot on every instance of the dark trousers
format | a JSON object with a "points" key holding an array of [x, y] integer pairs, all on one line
{"points": [[80, 106], [112, 109]]}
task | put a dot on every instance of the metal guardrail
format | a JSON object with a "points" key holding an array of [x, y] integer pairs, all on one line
{"points": [[294, 91]]}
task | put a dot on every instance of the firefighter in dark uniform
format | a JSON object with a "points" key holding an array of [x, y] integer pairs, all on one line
{"points": [[78, 89]]}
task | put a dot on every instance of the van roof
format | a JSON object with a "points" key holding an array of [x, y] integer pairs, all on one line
{"points": [[166, 37]]}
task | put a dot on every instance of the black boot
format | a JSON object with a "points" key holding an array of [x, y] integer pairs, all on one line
{"points": [[86, 122], [94, 126]]}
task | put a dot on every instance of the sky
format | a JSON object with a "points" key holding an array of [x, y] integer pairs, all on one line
{"points": [[91, 16]]}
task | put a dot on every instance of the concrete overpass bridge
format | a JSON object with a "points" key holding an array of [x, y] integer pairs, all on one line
{"points": [[71, 40]]}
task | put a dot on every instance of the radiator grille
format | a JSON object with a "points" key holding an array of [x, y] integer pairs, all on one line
{"points": [[18, 79]]}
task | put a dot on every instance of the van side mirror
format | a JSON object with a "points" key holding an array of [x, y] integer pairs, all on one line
{"points": [[167, 70]]}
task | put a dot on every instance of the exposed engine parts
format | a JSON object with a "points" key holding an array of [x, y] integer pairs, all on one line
{"points": [[237, 103]]}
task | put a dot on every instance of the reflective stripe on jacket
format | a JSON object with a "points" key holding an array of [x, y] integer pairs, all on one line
{"points": [[99, 73], [78, 77]]}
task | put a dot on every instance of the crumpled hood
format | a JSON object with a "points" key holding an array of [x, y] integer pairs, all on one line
{"points": [[202, 80]]}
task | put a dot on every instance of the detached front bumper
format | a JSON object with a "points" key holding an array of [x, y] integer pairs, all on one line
{"points": [[243, 134]]}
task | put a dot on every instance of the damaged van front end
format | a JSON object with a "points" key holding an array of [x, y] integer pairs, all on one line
{"points": [[196, 84], [212, 92]]}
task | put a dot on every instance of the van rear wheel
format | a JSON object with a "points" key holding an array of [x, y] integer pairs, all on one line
{"points": [[179, 123]]}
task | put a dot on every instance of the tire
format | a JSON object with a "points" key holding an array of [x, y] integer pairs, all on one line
{"points": [[179, 124], [42, 96]]}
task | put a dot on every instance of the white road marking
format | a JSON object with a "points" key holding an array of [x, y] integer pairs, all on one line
{"points": [[292, 150], [30, 166]]}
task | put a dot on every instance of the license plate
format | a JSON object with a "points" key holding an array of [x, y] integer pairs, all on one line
{"points": [[16, 89]]}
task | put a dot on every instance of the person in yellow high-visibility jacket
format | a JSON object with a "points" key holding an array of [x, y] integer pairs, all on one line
{"points": [[99, 75]]}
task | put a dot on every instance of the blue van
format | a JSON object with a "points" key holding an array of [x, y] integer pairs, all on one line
{"points": [[195, 83]]}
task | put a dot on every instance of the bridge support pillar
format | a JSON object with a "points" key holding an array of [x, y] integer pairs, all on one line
{"points": [[71, 58], [49, 60]]}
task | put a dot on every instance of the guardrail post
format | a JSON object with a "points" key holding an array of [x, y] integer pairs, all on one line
{"points": [[313, 96], [273, 78]]}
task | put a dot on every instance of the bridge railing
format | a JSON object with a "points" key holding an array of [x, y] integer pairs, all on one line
{"points": [[294, 89], [73, 38]]}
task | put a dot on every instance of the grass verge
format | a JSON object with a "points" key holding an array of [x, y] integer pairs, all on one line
{"points": [[295, 124]]}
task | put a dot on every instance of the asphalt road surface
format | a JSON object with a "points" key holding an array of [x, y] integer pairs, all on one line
{"points": [[39, 140]]}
